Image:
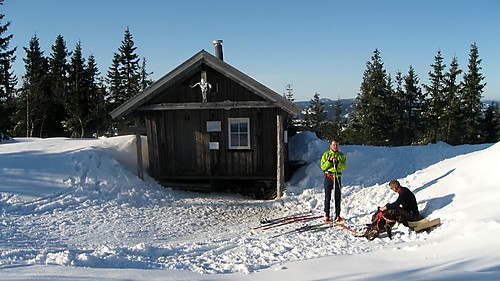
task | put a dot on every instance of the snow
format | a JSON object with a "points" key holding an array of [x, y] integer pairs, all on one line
{"points": [[73, 209]]}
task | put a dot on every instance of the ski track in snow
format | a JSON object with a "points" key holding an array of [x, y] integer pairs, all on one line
{"points": [[107, 218]]}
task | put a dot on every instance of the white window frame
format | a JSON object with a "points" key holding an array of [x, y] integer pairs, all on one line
{"points": [[239, 134]]}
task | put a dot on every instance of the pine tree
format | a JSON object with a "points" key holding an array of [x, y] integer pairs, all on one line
{"points": [[315, 118], [451, 119], [7, 79], [33, 101], [471, 96], [436, 100], [373, 104]]}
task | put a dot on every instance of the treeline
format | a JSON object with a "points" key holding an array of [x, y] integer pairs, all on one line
{"points": [[401, 111], [64, 94]]}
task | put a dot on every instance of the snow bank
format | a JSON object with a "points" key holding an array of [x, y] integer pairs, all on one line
{"points": [[78, 203]]}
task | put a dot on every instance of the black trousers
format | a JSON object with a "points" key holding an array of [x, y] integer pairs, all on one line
{"points": [[329, 187], [404, 215]]}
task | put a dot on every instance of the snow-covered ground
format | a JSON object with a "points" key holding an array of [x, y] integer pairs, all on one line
{"points": [[73, 209]]}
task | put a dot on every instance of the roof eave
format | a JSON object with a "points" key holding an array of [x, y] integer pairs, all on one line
{"points": [[192, 64], [164, 82]]}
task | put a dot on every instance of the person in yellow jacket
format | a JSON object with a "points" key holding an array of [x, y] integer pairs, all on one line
{"points": [[333, 162]]}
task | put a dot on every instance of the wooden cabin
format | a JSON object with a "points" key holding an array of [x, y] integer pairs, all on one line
{"points": [[210, 125]]}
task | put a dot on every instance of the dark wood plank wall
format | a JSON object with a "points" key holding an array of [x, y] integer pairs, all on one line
{"points": [[258, 161], [179, 142], [181, 146], [152, 132]]}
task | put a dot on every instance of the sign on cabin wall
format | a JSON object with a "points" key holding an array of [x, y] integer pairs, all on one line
{"points": [[213, 145], [214, 126]]}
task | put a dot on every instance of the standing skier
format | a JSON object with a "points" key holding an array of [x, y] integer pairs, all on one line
{"points": [[333, 162]]}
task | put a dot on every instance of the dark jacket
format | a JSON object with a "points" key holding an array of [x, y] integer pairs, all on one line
{"points": [[406, 201]]}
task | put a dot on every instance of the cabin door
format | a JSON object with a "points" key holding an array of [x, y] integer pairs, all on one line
{"points": [[191, 145]]}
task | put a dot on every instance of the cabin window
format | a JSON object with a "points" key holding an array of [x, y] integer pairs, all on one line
{"points": [[239, 133]]}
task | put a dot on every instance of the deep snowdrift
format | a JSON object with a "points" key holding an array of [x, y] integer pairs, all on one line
{"points": [[66, 202]]}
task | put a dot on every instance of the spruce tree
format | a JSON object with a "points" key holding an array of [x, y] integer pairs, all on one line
{"points": [[7, 101], [315, 118], [390, 110], [451, 120], [114, 81], [288, 94], [471, 96], [373, 104], [7, 79], [125, 78], [435, 99], [129, 68], [98, 116], [58, 63], [352, 130], [334, 128], [77, 102], [399, 126], [33, 101], [144, 80], [291, 121], [414, 107], [491, 124], [337, 121]]}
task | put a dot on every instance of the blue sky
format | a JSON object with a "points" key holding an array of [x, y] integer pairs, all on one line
{"points": [[316, 46]]}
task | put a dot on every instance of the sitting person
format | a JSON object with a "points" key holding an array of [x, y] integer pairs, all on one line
{"points": [[406, 202], [402, 210]]}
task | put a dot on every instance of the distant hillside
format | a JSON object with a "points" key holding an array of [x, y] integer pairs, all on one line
{"points": [[488, 102], [347, 107]]}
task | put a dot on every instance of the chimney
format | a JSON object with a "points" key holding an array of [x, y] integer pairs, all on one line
{"points": [[218, 49]]}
